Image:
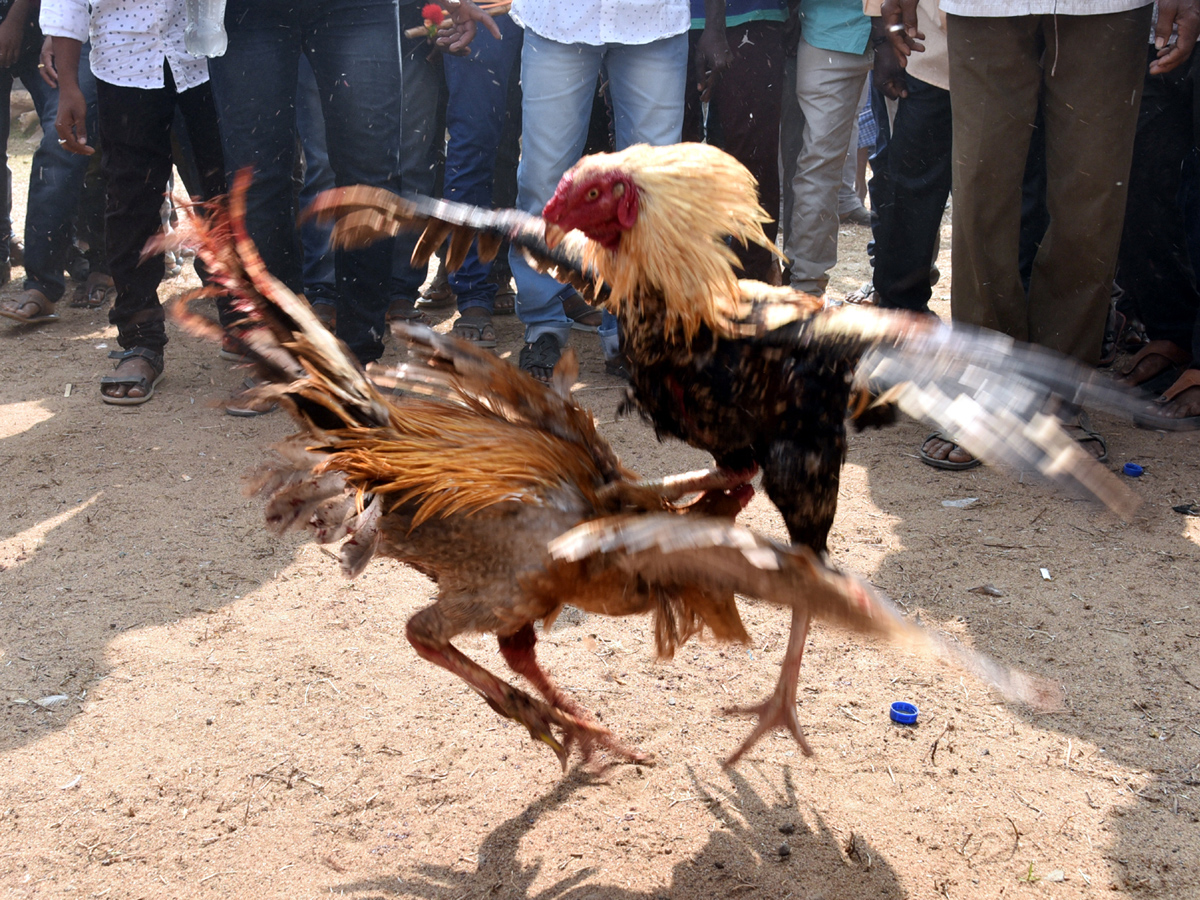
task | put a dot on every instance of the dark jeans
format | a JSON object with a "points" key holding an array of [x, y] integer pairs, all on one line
{"points": [[55, 180], [909, 186], [1154, 267], [476, 115], [135, 139], [421, 142], [354, 49], [743, 120]]}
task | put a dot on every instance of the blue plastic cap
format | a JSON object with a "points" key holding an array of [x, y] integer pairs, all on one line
{"points": [[1133, 470], [904, 713]]}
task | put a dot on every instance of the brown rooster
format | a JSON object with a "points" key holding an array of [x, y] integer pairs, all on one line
{"points": [[758, 375], [507, 497]]}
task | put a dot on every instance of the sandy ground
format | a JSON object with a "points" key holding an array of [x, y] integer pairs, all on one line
{"points": [[192, 708]]}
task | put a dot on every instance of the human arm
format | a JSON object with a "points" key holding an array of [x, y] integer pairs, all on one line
{"points": [[899, 19], [1186, 15], [713, 55]]}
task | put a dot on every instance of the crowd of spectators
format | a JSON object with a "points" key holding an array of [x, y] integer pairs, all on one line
{"points": [[1064, 129]]}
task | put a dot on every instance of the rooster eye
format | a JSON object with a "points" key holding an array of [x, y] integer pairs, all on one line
{"points": [[593, 193]]}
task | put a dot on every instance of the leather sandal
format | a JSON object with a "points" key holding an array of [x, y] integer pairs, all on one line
{"points": [[139, 381], [43, 308]]}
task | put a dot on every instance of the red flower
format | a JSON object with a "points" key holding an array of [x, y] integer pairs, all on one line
{"points": [[433, 13]]}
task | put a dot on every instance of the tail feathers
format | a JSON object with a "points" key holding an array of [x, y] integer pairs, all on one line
{"points": [[718, 556], [449, 370]]}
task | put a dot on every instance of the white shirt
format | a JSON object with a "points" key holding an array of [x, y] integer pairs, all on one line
{"points": [[603, 21], [130, 39], [990, 8]]}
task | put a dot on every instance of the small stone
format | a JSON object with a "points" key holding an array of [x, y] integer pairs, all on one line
{"points": [[784, 850], [718, 865], [787, 828]]}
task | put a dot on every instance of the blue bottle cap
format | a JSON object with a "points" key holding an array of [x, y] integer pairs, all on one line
{"points": [[904, 713], [1133, 470]]}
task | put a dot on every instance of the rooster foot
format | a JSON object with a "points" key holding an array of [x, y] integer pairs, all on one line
{"points": [[777, 711], [540, 719]]}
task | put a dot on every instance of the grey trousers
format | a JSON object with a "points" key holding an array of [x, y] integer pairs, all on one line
{"points": [[1089, 70], [828, 87]]}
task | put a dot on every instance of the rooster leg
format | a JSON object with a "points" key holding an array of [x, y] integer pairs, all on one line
{"points": [[432, 644], [518, 651], [779, 710]]}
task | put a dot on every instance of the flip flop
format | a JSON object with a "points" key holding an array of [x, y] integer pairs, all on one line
{"points": [[43, 308], [1084, 424], [945, 463], [1153, 419]]}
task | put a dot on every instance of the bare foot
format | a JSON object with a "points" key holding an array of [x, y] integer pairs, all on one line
{"points": [[1184, 405]]}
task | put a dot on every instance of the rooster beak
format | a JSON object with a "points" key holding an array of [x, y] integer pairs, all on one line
{"points": [[554, 235]]}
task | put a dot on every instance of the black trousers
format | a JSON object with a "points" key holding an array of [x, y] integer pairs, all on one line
{"points": [[1154, 267], [135, 140], [909, 186]]}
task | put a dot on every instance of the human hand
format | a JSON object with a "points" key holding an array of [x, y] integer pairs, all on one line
{"points": [[1183, 15], [71, 122], [46, 63], [11, 33], [888, 73], [900, 20], [713, 57], [456, 33]]}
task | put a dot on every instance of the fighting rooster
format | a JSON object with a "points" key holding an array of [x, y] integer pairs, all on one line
{"points": [[506, 496], [756, 375]]}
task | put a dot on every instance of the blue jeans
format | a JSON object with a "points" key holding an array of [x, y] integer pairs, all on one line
{"points": [[55, 183], [354, 49], [559, 80], [475, 118]]}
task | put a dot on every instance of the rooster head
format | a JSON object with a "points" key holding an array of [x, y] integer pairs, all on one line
{"points": [[603, 204]]}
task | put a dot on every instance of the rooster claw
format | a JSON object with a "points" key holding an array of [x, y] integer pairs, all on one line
{"points": [[775, 712]]}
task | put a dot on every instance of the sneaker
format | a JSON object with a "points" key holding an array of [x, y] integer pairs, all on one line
{"points": [[539, 358]]}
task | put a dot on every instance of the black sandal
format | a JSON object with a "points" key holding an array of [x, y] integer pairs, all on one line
{"points": [[540, 357], [139, 381]]}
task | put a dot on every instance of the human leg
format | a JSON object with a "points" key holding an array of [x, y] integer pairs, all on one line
{"points": [[828, 86], [558, 82], [134, 128], [420, 149], [995, 69], [908, 195], [746, 101], [354, 48], [258, 126], [475, 116], [319, 278], [55, 186]]}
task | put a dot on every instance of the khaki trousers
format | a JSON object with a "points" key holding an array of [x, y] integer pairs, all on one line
{"points": [[1089, 70]]}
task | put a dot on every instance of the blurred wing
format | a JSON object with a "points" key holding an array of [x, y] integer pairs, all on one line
{"points": [[362, 215], [993, 395], [714, 554]]}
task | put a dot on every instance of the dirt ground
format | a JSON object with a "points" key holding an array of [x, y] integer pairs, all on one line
{"points": [[193, 708]]}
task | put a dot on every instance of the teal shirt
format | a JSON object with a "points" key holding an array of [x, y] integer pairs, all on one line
{"points": [[835, 25], [739, 12]]}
